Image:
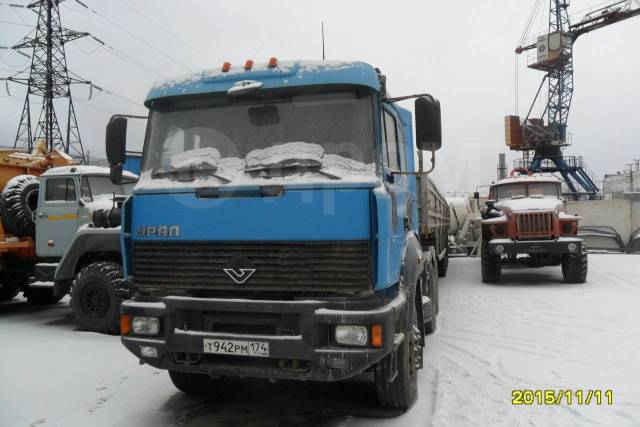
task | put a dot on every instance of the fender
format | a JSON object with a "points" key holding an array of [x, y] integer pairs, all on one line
{"points": [[412, 259], [86, 240], [413, 266]]}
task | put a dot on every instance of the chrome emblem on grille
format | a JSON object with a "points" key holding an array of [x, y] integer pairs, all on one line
{"points": [[239, 269]]}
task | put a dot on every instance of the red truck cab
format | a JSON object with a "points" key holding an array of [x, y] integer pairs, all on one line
{"points": [[525, 221]]}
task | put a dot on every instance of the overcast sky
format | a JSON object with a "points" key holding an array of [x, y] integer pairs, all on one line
{"points": [[462, 52]]}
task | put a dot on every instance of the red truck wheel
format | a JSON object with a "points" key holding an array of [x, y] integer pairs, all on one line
{"points": [[574, 267], [491, 264]]}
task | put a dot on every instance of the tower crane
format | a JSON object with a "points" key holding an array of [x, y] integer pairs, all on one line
{"points": [[554, 55]]}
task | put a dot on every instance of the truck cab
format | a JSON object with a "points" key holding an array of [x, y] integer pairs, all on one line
{"points": [[275, 231], [525, 221], [66, 199]]}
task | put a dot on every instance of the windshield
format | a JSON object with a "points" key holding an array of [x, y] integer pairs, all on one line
{"points": [[509, 191], [544, 189], [230, 136], [96, 186], [537, 189]]}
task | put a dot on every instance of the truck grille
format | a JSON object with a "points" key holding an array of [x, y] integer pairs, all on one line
{"points": [[281, 266], [534, 224]]}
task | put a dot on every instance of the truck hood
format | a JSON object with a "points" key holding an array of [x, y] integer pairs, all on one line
{"points": [[530, 204], [253, 214]]}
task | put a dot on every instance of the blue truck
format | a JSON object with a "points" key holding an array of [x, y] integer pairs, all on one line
{"points": [[283, 227]]}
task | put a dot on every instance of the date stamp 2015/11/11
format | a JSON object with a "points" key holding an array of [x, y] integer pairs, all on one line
{"points": [[558, 397]]}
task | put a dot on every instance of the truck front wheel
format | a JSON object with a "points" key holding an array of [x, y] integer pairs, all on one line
{"points": [[400, 392], [194, 384], [10, 285], [574, 267], [96, 294], [491, 264], [8, 292]]}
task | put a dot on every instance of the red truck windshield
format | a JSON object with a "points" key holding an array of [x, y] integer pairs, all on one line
{"points": [[536, 189]]}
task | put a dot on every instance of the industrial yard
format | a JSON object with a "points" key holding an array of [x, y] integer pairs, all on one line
{"points": [[272, 214], [530, 332]]}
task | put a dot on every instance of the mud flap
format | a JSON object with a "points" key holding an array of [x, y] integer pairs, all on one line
{"points": [[392, 365], [427, 309]]}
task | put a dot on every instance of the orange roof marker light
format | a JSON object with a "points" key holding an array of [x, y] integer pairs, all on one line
{"points": [[248, 65], [273, 62], [226, 67]]}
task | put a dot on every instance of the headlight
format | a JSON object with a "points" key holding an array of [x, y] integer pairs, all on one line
{"points": [[567, 227], [351, 335], [499, 249], [572, 247], [146, 325]]}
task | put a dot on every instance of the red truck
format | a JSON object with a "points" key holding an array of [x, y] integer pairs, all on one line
{"points": [[525, 221]]}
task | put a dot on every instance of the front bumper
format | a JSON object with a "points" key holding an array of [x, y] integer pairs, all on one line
{"points": [[299, 335], [559, 246]]}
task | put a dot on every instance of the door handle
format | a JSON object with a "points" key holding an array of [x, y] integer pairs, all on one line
{"points": [[41, 215]]}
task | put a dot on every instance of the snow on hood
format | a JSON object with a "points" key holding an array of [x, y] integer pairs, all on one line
{"points": [[291, 153], [197, 158], [530, 204]]}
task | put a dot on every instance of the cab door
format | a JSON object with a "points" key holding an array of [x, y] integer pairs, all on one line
{"points": [[394, 159], [57, 216]]}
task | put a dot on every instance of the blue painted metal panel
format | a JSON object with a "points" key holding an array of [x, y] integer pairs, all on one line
{"points": [[298, 215], [133, 163], [286, 74], [406, 120]]}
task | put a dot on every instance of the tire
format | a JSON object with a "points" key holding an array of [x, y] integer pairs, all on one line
{"points": [[443, 266], [41, 296], [403, 390], [19, 202], [491, 265], [574, 267], [11, 284], [97, 292], [195, 384], [8, 292]]}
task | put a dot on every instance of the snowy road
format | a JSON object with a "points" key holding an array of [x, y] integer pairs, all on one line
{"points": [[531, 332]]}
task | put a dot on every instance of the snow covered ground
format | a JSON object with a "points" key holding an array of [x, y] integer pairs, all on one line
{"points": [[530, 332]]}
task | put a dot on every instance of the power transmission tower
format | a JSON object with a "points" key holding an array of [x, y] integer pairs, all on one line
{"points": [[49, 79]]}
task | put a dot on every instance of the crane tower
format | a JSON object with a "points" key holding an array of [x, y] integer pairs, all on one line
{"points": [[546, 136]]}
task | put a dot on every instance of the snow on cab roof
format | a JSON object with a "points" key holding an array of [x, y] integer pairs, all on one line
{"points": [[285, 73], [84, 170], [528, 178]]}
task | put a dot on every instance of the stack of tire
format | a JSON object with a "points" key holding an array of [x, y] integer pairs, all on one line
{"points": [[18, 204]]}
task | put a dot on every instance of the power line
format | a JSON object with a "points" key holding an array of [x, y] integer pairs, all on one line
{"points": [[123, 56], [16, 23], [107, 91], [184, 41], [95, 12], [95, 107]]}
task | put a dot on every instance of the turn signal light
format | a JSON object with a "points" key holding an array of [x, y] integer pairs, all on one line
{"points": [[376, 336], [226, 67], [125, 324], [248, 65], [273, 62]]}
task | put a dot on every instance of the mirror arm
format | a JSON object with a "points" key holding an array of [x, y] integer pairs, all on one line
{"points": [[421, 172]]}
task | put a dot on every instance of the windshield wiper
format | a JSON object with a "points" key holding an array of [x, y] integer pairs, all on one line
{"points": [[280, 171], [190, 172]]}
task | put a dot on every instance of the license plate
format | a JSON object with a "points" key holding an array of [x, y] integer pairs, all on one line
{"points": [[236, 348]]}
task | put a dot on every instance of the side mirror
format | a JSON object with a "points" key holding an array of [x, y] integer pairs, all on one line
{"points": [[116, 145], [476, 195], [428, 123]]}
